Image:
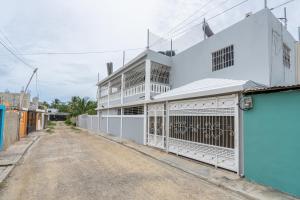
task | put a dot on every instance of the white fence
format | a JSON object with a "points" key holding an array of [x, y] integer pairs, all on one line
{"points": [[128, 126], [90, 122]]}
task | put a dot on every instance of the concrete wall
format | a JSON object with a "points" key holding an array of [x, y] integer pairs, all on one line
{"points": [[277, 35], [271, 141], [133, 129], [252, 40], [114, 125], [103, 124], [10, 132]]}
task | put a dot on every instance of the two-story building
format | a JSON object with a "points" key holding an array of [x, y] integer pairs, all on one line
{"points": [[189, 103]]}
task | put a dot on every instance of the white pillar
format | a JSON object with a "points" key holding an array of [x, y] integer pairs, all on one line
{"points": [[122, 88], [121, 124], [145, 124], [147, 79], [236, 136], [108, 95], [167, 126]]}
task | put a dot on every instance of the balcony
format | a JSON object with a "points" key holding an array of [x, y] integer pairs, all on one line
{"points": [[140, 82]]}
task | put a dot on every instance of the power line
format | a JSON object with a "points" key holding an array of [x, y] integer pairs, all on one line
{"points": [[221, 3], [188, 28], [175, 29], [215, 16], [193, 14], [15, 55], [80, 52], [8, 40], [282, 4]]}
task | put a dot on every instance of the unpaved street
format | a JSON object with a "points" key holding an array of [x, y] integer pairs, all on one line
{"points": [[71, 164]]}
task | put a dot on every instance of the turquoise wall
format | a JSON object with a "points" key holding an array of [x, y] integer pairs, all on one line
{"points": [[272, 141], [2, 116]]}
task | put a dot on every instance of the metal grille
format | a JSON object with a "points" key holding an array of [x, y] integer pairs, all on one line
{"points": [[115, 85], [156, 126], [160, 73], [103, 90], [212, 130], [223, 58], [136, 110], [205, 130], [135, 76], [286, 56]]}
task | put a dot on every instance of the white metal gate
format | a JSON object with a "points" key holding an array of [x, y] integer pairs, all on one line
{"points": [[156, 126], [205, 130]]}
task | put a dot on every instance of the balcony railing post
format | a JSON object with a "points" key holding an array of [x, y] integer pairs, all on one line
{"points": [[122, 88], [147, 79]]}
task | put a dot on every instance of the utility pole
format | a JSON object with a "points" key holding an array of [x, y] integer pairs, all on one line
{"points": [[21, 96]]}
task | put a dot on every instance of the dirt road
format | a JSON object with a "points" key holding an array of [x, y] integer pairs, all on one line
{"points": [[71, 164]]}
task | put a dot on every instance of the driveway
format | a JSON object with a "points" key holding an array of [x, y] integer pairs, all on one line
{"points": [[72, 164]]}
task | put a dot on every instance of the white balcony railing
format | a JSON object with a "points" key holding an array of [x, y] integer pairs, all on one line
{"points": [[134, 90], [115, 96], [159, 88], [103, 99]]}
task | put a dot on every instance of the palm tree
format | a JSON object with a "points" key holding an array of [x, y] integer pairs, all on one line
{"points": [[78, 106]]}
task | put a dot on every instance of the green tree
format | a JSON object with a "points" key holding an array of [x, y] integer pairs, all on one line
{"points": [[78, 106]]}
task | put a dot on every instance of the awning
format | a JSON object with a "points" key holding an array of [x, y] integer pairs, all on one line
{"points": [[207, 87]]}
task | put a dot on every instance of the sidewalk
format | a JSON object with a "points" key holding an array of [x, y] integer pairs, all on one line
{"points": [[11, 156], [221, 178]]}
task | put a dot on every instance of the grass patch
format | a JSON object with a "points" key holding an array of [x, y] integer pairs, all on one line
{"points": [[51, 124], [77, 130], [68, 122], [50, 130]]}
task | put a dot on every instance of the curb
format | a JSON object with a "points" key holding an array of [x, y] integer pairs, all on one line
{"points": [[9, 168]]}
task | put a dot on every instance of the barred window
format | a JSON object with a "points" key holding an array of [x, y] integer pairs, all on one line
{"points": [[136, 110], [223, 58], [286, 56]]}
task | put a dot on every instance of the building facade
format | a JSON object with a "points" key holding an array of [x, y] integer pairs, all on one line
{"points": [[12, 100], [188, 103]]}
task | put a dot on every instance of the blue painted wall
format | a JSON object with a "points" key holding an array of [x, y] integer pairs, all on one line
{"points": [[272, 141], [2, 117]]}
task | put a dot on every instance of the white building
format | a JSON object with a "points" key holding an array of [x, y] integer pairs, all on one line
{"points": [[187, 104]]}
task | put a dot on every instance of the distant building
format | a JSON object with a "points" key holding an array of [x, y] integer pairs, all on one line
{"points": [[12, 100]]}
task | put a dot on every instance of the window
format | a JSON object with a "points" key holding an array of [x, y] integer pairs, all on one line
{"points": [[286, 56], [223, 58], [137, 110]]}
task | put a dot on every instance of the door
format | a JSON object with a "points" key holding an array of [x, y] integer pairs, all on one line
{"points": [[156, 136]]}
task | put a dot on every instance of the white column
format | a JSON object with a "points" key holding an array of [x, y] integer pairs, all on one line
{"points": [[107, 120], [122, 89], [147, 79], [99, 120], [108, 95], [121, 124], [167, 126], [145, 124], [236, 136]]}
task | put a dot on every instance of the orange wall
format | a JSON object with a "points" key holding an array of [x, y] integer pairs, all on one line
{"points": [[23, 124]]}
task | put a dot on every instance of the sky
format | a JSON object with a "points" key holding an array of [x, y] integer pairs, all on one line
{"points": [[107, 26]]}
